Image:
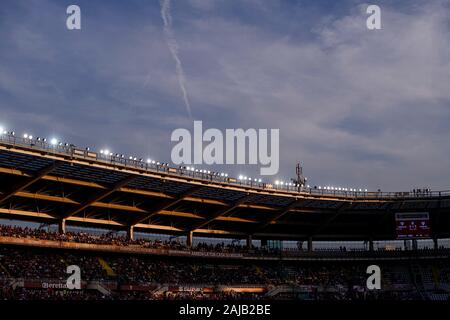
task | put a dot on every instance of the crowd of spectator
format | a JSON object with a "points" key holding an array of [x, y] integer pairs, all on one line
{"points": [[112, 238], [326, 281]]}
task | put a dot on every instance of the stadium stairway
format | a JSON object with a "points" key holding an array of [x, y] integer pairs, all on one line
{"points": [[282, 289], [96, 285], [161, 289], [109, 271]]}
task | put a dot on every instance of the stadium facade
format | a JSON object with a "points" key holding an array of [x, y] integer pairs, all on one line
{"points": [[63, 184]]}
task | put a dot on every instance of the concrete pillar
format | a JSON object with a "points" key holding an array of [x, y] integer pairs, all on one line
{"points": [[62, 226], [436, 243], [263, 242], [310, 244], [414, 244], [189, 239], [130, 233], [371, 244], [249, 241]]}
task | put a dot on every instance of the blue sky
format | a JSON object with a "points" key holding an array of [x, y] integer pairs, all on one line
{"points": [[358, 108]]}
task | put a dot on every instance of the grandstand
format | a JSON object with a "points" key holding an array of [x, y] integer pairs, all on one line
{"points": [[70, 187]]}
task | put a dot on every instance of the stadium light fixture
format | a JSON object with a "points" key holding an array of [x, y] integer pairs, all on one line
{"points": [[53, 141], [259, 180], [240, 177], [25, 135], [2, 130]]}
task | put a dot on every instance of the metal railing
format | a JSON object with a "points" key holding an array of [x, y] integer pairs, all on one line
{"points": [[74, 152]]}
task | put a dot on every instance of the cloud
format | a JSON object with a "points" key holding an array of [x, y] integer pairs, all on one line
{"points": [[174, 50], [359, 108]]}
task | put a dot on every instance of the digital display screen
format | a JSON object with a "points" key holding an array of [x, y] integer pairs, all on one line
{"points": [[412, 225]]}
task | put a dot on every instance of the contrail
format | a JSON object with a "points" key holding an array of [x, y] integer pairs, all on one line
{"points": [[173, 47]]}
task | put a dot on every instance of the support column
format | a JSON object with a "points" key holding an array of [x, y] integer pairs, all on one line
{"points": [[249, 241], [130, 233], [414, 244], [436, 243], [371, 244], [263, 242], [62, 226], [310, 244], [189, 239]]}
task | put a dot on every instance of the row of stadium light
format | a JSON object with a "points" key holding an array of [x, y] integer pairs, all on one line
{"points": [[289, 184], [193, 169], [27, 136], [245, 178], [241, 178], [108, 153], [341, 189]]}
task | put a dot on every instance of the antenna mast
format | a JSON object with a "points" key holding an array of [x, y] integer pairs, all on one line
{"points": [[300, 180]]}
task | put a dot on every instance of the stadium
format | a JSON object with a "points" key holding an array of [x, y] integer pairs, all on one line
{"points": [[144, 230]]}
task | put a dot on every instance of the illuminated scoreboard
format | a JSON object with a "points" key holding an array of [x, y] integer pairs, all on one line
{"points": [[412, 225]]}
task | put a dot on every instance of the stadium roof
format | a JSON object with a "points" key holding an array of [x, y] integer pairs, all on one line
{"points": [[48, 182]]}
